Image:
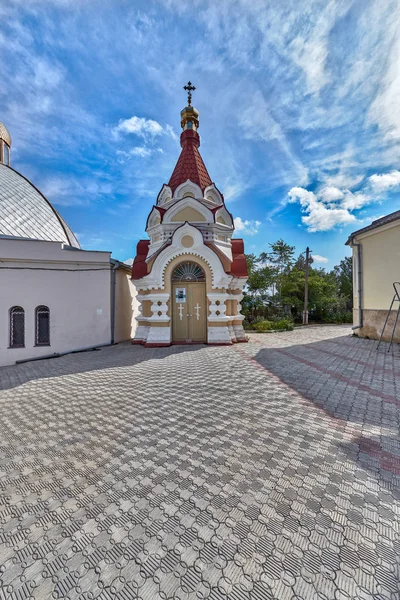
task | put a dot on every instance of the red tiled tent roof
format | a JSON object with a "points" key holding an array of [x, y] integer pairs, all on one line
{"points": [[139, 267], [239, 264], [190, 165]]}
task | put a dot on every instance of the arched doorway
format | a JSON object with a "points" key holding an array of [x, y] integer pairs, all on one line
{"points": [[189, 304]]}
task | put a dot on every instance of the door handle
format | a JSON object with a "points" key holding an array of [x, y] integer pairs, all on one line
{"points": [[188, 315]]}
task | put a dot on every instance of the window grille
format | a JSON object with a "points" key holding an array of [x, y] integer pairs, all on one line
{"points": [[17, 327], [188, 271], [42, 326]]}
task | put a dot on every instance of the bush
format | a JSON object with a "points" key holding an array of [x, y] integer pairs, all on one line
{"points": [[283, 324], [262, 326], [339, 317], [258, 319], [246, 324]]}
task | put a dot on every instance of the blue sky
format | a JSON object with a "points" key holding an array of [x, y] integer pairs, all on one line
{"points": [[298, 101]]}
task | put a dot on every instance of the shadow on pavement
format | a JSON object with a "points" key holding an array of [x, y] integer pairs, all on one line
{"points": [[118, 356]]}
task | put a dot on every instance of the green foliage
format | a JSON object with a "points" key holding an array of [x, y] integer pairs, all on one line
{"points": [[344, 278], [262, 326], [285, 324], [276, 285]]}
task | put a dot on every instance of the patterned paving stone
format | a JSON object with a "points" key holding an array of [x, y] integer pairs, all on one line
{"points": [[262, 470]]}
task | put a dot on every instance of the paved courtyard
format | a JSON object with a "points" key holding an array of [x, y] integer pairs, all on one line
{"points": [[262, 470]]}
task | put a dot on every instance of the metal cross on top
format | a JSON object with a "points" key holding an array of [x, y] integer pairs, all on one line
{"points": [[189, 88]]}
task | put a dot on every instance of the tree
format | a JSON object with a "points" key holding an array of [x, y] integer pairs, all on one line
{"points": [[259, 282], [344, 278], [280, 258], [330, 293]]}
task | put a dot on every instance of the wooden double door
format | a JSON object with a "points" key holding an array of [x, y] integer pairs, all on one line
{"points": [[189, 312]]}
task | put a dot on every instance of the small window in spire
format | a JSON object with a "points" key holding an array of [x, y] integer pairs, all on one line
{"points": [[6, 154]]}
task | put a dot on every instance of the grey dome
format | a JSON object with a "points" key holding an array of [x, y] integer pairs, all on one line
{"points": [[5, 134], [25, 212]]}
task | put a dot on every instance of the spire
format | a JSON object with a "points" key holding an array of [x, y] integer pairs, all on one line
{"points": [[190, 164]]}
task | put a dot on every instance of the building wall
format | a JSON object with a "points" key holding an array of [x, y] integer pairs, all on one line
{"points": [[381, 266], [126, 306], [380, 258], [74, 284]]}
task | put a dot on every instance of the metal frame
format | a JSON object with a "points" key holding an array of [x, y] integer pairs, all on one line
{"points": [[14, 310], [190, 272], [396, 298]]}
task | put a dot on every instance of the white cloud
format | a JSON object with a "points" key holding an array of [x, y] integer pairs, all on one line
{"points": [[128, 261], [354, 201], [309, 50], [319, 216], [382, 183], [68, 191], [148, 129], [331, 193], [319, 259], [140, 126], [232, 191], [330, 206], [246, 227], [268, 129], [384, 109], [138, 151]]}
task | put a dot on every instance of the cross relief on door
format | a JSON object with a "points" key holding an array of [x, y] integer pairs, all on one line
{"points": [[197, 309], [180, 309]]}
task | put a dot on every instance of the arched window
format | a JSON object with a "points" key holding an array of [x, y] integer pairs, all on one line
{"points": [[188, 271], [42, 320], [17, 327]]}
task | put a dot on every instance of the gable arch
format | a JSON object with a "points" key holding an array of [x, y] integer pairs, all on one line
{"points": [[188, 189], [164, 195], [153, 219], [222, 215], [188, 204], [212, 194]]}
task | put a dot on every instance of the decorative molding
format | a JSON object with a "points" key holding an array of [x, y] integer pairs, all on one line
{"points": [[226, 215], [155, 279], [188, 187], [212, 194], [164, 195]]}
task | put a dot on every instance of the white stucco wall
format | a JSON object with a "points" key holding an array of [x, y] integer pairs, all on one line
{"points": [[380, 257], [74, 284], [126, 306]]}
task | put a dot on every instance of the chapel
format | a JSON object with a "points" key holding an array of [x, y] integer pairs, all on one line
{"points": [[190, 273]]}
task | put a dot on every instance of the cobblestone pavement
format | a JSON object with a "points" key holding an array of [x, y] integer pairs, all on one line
{"points": [[262, 470]]}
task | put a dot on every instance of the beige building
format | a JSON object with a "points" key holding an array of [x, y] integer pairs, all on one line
{"points": [[190, 274], [55, 297], [376, 266]]}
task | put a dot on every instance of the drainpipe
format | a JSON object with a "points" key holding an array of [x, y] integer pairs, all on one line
{"points": [[116, 264], [359, 284]]}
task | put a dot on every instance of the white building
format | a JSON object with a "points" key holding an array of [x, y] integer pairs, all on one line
{"points": [[54, 296], [376, 267]]}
